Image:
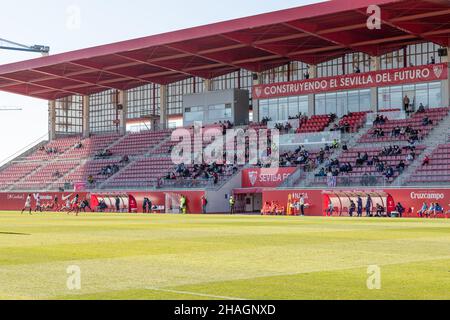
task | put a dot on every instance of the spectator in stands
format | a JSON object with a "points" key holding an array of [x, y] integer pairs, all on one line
{"points": [[426, 121], [266, 120], [432, 60], [381, 166], [90, 180], [401, 166], [396, 131], [413, 137], [335, 144], [389, 172], [378, 133], [114, 169], [421, 108], [321, 173], [79, 145], [125, 159], [306, 75], [406, 103], [357, 70], [411, 156], [380, 120], [104, 154], [426, 161]]}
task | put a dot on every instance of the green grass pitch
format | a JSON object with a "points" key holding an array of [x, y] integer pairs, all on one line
{"points": [[221, 257]]}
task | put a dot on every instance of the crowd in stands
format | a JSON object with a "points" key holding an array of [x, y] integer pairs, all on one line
{"points": [[49, 150], [334, 167], [201, 172], [104, 154], [302, 157]]}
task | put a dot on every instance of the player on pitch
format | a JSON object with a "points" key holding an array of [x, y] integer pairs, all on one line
{"points": [[27, 204]]}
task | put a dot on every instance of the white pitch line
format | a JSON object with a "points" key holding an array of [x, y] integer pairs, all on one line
{"points": [[194, 294]]}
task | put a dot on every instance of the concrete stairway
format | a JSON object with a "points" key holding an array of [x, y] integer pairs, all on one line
{"points": [[438, 136], [301, 179]]}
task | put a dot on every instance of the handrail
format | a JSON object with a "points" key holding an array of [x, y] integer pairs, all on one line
{"points": [[24, 150]]}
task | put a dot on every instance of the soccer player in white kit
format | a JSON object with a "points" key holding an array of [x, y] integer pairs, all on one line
{"points": [[38, 203], [27, 204]]}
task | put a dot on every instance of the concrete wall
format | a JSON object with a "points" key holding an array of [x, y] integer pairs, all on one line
{"points": [[237, 98], [217, 200]]}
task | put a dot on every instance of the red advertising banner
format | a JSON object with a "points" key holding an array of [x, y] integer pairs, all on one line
{"points": [[161, 200], [317, 200], [14, 201], [265, 177], [410, 75]]}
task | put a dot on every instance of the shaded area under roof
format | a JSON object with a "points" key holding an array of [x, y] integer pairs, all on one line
{"points": [[311, 34]]}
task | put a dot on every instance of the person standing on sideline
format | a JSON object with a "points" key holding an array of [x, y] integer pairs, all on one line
{"points": [[352, 208], [302, 205], [232, 205], [55, 203], [360, 206], [117, 204], [400, 209], [330, 209], [183, 204], [369, 206], [145, 205], [204, 204], [149, 206]]}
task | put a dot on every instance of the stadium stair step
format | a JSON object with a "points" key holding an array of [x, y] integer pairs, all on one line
{"points": [[438, 136], [298, 178]]}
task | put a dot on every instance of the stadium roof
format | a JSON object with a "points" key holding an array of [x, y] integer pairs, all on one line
{"points": [[311, 34]]}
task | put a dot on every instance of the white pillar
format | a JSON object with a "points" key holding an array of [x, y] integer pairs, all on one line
{"points": [[255, 102], [164, 122], [52, 120], [446, 83], [375, 63], [312, 71], [123, 101], [86, 117], [207, 85]]}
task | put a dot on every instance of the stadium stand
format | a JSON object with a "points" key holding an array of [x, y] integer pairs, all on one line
{"points": [[412, 128], [436, 170], [15, 172], [72, 160]]}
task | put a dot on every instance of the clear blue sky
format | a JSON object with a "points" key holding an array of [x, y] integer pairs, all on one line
{"points": [[56, 23]]}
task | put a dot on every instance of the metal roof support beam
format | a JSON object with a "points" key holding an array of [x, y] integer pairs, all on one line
{"points": [[412, 26], [343, 38], [50, 88]]}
